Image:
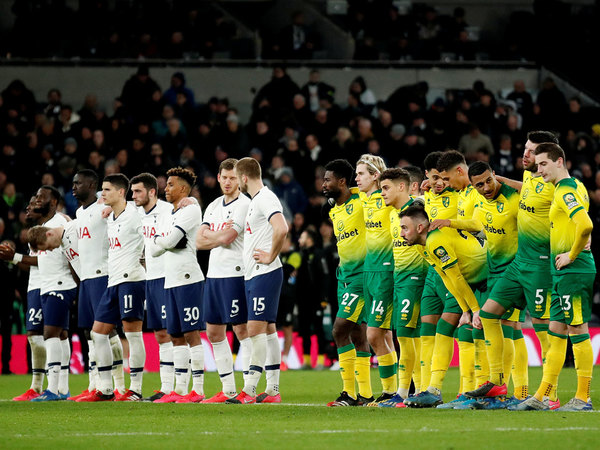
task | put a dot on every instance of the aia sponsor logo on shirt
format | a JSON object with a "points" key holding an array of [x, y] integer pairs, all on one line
{"points": [[114, 243], [83, 233], [149, 231]]}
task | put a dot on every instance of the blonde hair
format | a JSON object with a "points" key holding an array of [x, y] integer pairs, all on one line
{"points": [[374, 164]]}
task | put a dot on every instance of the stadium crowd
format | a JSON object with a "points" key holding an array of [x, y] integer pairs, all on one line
{"points": [[296, 127]]}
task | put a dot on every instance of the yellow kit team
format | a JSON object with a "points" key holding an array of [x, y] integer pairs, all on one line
{"points": [[464, 260]]}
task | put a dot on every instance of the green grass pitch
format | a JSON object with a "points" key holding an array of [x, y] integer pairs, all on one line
{"points": [[302, 421]]}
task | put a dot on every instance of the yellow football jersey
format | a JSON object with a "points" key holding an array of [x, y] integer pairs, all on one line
{"points": [[468, 200], [446, 247], [499, 219], [570, 198], [533, 220], [380, 256], [441, 206], [349, 229], [407, 259]]}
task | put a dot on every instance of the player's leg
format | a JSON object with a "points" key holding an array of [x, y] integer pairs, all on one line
{"points": [[520, 370], [537, 287], [576, 293], [272, 367], [417, 368], [245, 349], [432, 306], [362, 365], [65, 366], [379, 288], [350, 311], [219, 304], [116, 339], [35, 337], [262, 299], [131, 304]]}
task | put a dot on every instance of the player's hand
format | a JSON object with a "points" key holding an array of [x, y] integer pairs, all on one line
{"points": [[588, 246], [106, 212], [439, 223], [227, 225], [262, 257], [562, 260], [477, 321], [187, 201], [465, 319], [425, 185], [6, 253]]}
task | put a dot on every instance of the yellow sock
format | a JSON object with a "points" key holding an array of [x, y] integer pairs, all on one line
{"points": [[406, 364], [442, 355], [388, 372], [417, 367], [427, 343], [520, 369], [508, 360], [584, 365], [466, 361], [307, 360], [362, 370], [460, 367], [320, 360], [542, 335], [555, 359], [347, 359], [491, 349]]}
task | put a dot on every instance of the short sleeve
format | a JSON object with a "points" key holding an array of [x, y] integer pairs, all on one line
{"points": [[570, 201], [208, 213], [188, 218], [441, 252], [239, 216], [270, 205]]}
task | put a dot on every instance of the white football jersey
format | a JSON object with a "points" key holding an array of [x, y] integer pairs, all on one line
{"points": [[34, 281], [69, 245], [125, 247], [93, 243], [54, 267], [153, 222], [181, 265], [227, 261], [259, 233]]}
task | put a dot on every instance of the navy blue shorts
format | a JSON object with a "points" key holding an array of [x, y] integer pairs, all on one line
{"points": [[225, 301], [262, 296], [156, 308], [121, 302], [90, 293], [56, 306], [35, 315], [184, 308]]}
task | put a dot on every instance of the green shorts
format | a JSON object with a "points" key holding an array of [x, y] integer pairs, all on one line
{"points": [[379, 298], [512, 314], [351, 299], [525, 286], [436, 299], [572, 295], [407, 301]]}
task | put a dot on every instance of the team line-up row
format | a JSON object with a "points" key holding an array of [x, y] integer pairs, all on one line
{"points": [[463, 259]]}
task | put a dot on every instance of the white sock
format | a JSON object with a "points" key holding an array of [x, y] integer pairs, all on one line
{"points": [[197, 363], [181, 361], [117, 368], [137, 359], [38, 361], [93, 372], [104, 362], [246, 351], [403, 392], [272, 364], [167, 370], [224, 363], [53, 359], [65, 365], [257, 363]]}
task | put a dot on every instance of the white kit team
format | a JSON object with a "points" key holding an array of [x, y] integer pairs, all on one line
{"points": [[124, 262]]}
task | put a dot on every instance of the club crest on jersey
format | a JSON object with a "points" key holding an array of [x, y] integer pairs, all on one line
{"points": [[379, 203], [500, 206], [539, 187], [445, 201], [442, 254], [349, 208], [340, 225], [570, 200]]}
